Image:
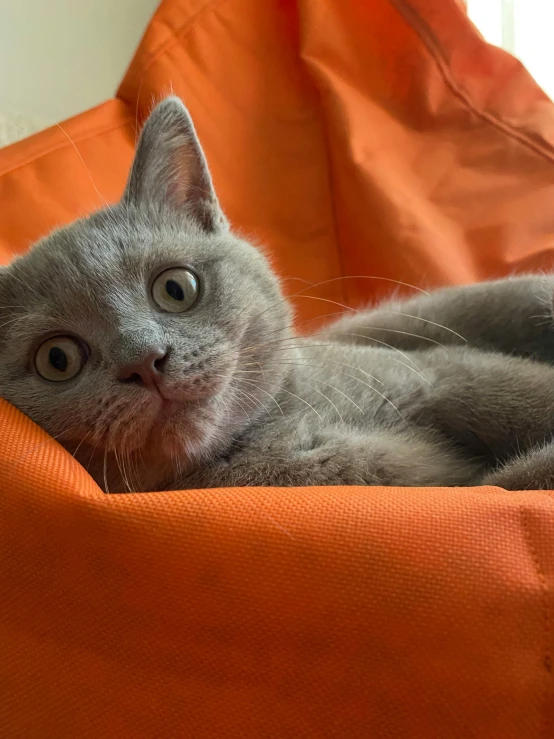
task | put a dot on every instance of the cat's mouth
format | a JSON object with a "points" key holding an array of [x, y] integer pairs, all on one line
{"points": [[179, 404], [178, 413]]}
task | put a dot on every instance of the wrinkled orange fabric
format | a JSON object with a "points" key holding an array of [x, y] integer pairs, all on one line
{"points": [[379, 138]]}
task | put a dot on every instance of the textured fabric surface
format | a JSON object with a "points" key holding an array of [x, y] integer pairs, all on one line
{"points": [[382, 138]]}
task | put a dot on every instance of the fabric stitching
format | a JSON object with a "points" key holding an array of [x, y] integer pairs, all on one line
{"points": [[547, 660], [414, 20]]}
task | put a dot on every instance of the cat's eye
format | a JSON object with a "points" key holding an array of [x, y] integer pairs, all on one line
{"points": [[59, 359], [175, 290]]}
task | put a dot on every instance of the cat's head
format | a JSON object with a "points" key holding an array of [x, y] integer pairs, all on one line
{"points": [[147, 328]]}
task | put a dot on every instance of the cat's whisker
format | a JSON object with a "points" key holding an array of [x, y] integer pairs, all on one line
{"points": [[227, 403], [13, 276], [240, 379], [315, 366], [314, 388], [382, 395], [97, 191], [339, 414], [121, 472], [14, 320], [333, 387], [403, 354], [137, 131], [242, 405], [138, 455], [93, 452], [268, 394], [392, 331], [34, 447], [414, 369], [80, 444], [266, 515], [310, 343], [130, 460], [378, 341], [126, 472], [284, 390], [106, 486], [382, 328], [429, 322], [358, 379], [251, 397], [328, 300], [384, 343], [390, 280], [337, 279]]}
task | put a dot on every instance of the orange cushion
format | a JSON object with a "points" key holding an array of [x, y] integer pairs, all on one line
{"points": [[382, 138]]}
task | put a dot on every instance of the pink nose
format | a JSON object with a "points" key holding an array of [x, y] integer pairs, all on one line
{"points": [[148, 371]]}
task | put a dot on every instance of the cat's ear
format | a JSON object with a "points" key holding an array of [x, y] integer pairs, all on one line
{"points": [[170, 171]]}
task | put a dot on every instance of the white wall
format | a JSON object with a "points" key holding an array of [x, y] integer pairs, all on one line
{"points": [[523, 27], [59, 57]]}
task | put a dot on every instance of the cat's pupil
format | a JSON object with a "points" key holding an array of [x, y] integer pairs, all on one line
{"points": [[174, 290], [58, 359]]}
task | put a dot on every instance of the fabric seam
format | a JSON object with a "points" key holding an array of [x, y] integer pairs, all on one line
{"points": [[414, 20], [547, 661]]}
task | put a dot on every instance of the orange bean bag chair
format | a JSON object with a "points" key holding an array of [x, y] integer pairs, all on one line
{"points": [[380, 138]]}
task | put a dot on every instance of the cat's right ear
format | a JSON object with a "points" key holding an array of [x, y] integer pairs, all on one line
{"points": [[170, 172]]}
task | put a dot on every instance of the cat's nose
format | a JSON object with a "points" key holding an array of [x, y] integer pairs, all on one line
{"points": [[148, 371]]}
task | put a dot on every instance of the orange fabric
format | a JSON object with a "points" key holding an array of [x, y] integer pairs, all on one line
{"points": [[380, 138]]}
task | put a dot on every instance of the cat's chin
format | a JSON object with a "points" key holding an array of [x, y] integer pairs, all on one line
{"points": [[187, 432]]}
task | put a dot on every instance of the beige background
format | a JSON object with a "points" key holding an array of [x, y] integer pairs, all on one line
{"points": [[59, 57]]}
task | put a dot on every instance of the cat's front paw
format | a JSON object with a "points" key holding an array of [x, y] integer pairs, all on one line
{"points": [[531, 471], [339, 460]]}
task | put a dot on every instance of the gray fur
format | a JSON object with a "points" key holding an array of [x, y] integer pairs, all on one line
{"points": [[387, 396]]}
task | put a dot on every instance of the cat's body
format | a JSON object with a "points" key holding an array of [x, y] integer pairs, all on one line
{"points": [[363, 415], [158, 348]]}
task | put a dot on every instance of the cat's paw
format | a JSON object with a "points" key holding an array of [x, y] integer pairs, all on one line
{"points": [[531, 471], [338, 460]]}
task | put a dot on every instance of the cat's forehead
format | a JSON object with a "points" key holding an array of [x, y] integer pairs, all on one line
{"points": [[100, 257]]}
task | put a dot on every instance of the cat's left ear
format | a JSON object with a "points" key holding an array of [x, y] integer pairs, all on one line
{"points": [[170, 171]]}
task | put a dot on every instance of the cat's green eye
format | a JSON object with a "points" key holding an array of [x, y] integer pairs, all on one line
{"points": [[59, 359], [175, 290]]}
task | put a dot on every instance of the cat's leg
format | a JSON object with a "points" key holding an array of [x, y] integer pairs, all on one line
{"points": [[513, 316], [339, 457], [493, 406], [531, 471]]}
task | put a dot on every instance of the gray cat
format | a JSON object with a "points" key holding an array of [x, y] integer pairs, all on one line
{"points": [[157, 347]]}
